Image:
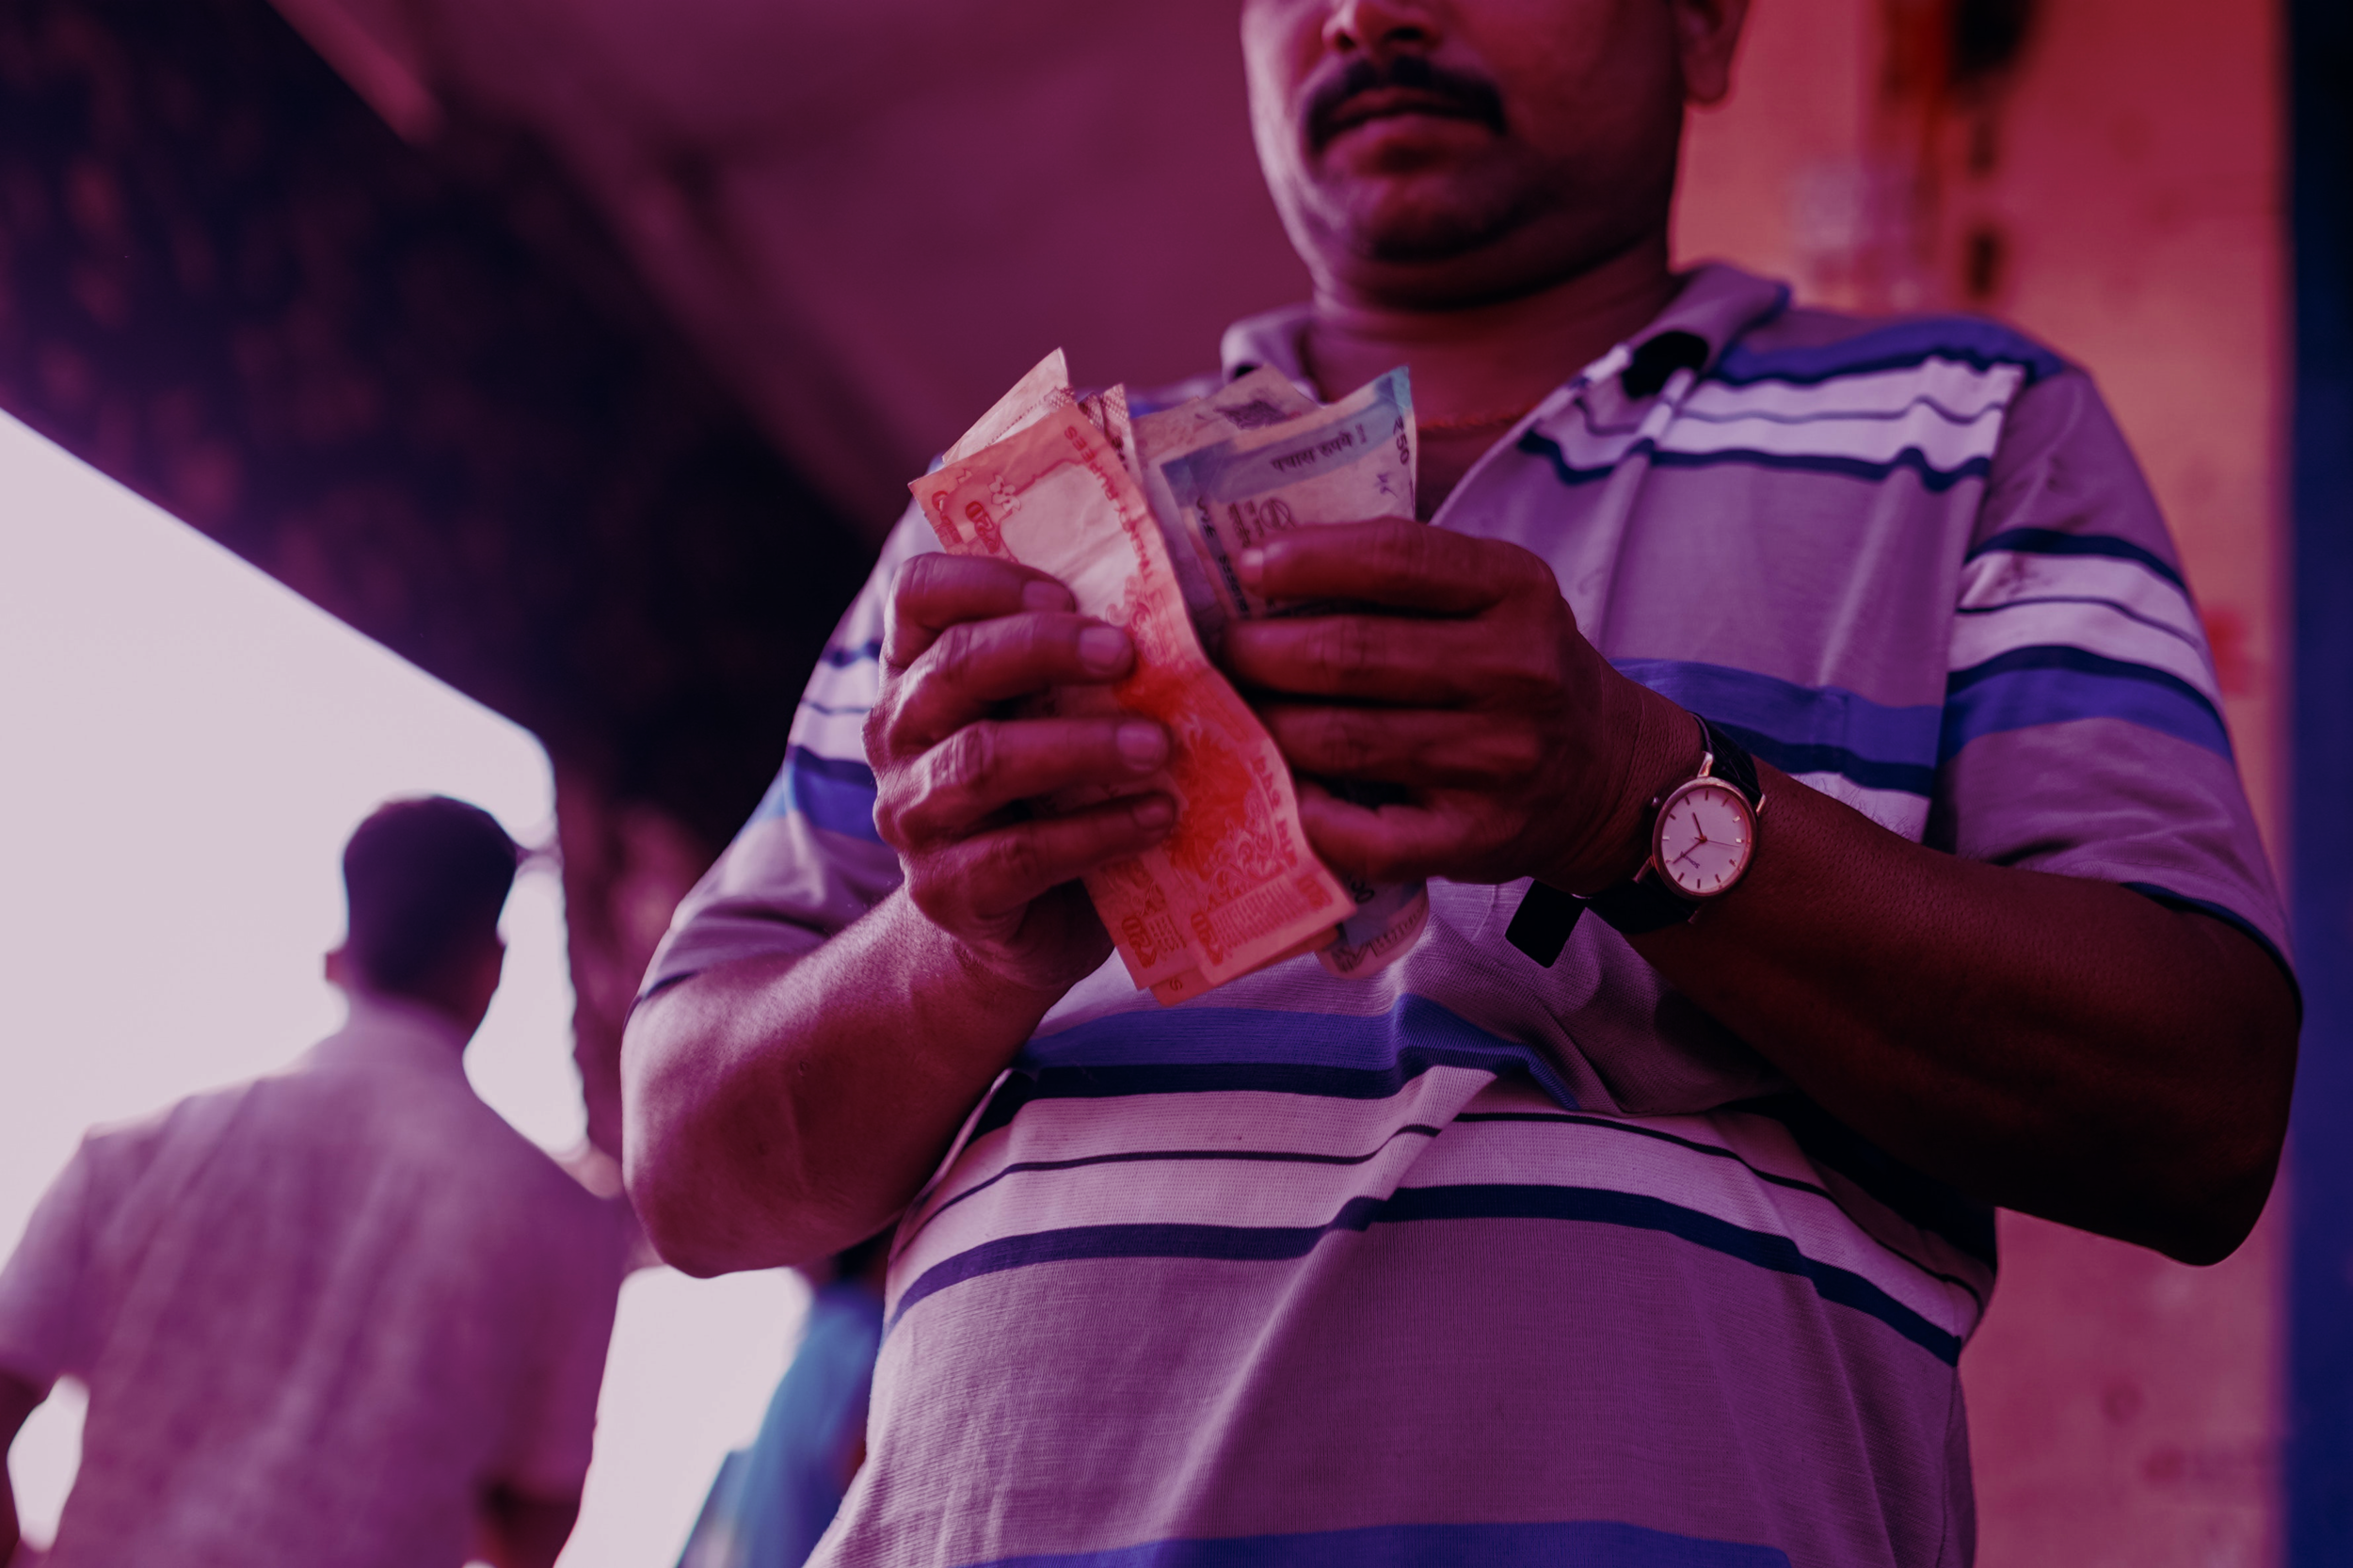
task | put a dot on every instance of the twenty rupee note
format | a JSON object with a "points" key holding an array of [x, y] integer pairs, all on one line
{"points": [[1235, 883], [1226, 485]]}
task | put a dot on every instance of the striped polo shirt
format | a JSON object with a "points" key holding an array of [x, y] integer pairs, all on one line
{"points": [[1482, 1261]]}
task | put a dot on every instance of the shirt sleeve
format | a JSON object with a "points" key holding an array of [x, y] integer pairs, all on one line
{"points": [[809, 861], [45, 1314], [2083, 730]]}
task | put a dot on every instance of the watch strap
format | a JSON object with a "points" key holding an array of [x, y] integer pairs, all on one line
{"points": [[1645, 903], [1541, 927], [1733, 763]]}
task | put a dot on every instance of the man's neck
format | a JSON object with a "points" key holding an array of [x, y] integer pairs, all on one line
{"points": [[458, 1028], [1484, 361]]}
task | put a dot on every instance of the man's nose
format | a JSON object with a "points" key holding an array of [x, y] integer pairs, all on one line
{"points": [[1380, 28]]}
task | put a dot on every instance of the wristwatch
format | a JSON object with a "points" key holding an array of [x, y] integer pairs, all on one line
{"points": [[1703, 832], [1702, 835]]}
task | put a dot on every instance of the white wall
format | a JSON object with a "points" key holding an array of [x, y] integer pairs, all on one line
{"points": [[183, 746]]}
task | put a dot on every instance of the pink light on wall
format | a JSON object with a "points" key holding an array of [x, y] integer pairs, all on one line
{"points": [[2113, 192]]}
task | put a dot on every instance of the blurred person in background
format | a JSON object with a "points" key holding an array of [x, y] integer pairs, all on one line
{"points": [[342, 1314], [1819, 767], [772, 1501]]}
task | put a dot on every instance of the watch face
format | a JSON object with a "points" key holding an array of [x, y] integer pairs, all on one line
{"points": [[1705, 832]]}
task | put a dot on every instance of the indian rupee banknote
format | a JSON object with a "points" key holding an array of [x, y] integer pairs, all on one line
{"points": [[1235, 885], [1348, 461], [1046, 387], [1226, 483], [1264, 397]]}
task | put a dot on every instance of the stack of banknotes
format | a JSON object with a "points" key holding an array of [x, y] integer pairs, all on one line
{"points": [[1142, 518]]}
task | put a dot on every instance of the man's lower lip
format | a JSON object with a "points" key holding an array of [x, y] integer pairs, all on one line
{"points": [[1391, 116]]}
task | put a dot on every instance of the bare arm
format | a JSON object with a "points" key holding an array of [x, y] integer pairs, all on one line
{"points": [[780, 1109], [18, 1401], [2053, 1044], [518, 1530], [2060, 1046]]}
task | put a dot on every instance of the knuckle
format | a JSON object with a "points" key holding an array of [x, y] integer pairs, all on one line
{"points": [[906, 585], [1012, 859], [956, 647], [875, 733], [1027, 638], [1345, 740], [1403, 541], [1402, 550], [914, 701], [1517, 751], [967, 759], [1534, 573], [903, 606], [1342, 647], [892, 804], [923, 574]]}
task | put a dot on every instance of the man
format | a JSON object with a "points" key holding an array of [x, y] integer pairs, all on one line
{"points": [[1653, 1237], [773, 1499], [339, 1315]]}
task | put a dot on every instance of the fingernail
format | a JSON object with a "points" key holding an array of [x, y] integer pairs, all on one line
{"points": [[1144, 746], [1046, 596], [1250, 566], [1155, 812], [1102, 648]]}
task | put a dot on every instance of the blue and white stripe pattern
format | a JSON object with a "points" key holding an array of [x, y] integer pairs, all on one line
{"points": [[2056, 626], [1902, 399], [825, 780], [1878, 759]]}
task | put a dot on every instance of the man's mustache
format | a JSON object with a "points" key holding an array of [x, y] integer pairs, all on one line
{"points": [[1472, 97]]}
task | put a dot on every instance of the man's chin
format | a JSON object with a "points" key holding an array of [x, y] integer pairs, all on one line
{"points": [[1408, 232], [1418, 210]]}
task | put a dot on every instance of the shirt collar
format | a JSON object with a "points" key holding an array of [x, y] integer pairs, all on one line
{"points": [[1716, 304], [1272, 338], [387, 1030]]}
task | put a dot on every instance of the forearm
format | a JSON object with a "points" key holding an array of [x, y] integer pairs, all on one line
{"points": [[2054, 1043], [780, 1110]]}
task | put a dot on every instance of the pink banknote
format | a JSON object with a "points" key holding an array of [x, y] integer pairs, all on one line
{"points": [[1256, 458], [1235, 885]]}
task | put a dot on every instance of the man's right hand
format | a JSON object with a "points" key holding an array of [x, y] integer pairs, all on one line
{"points": [[966, 640], [779, 1109]]}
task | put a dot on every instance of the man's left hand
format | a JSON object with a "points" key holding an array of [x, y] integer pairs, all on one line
{"points": [[1456, 670]]}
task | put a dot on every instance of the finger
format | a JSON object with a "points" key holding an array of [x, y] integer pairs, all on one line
{"points": [[975, 664], [984, 767], [1389, 659], [1409, 566], [933, 592], [1423, 748], [997, 874], [1393, 843]]}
